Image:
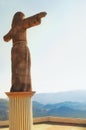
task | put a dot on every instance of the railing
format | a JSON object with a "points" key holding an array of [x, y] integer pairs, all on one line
{"points": [[61, 120], [50, 119], [4, 123]]}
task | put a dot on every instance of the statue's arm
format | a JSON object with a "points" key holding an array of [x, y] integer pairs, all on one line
{"points": [[33, 20], [8, 36]]}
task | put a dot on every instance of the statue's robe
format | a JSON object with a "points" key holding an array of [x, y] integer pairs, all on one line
{"points": [[21, 63], [20, 54]]}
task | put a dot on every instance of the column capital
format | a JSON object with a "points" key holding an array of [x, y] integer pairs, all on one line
{"points": [[20, 94]]}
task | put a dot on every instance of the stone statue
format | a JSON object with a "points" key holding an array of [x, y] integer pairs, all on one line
{"points": [[20, 54]]}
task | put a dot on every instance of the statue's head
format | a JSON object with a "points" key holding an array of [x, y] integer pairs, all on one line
{"points": [[18, 17]]}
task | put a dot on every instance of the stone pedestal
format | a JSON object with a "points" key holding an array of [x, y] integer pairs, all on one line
{"points": [[20, 110]]}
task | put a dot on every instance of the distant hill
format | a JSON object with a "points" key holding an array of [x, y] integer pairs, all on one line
{"points": [[4, 109], [52, 98], [65, 104], [64, 109]]}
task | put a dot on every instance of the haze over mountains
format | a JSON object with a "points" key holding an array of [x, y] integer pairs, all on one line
{"points": [[64, 109], [51, 98], [64, 104]]}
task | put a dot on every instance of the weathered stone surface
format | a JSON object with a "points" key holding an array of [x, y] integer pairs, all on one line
{"points": [[20, 54]]}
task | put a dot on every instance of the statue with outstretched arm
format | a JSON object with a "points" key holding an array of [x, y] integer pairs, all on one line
{"points": [[20, 53]]}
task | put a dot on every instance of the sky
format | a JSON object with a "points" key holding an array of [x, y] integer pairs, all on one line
{"points": [[57, 45]]}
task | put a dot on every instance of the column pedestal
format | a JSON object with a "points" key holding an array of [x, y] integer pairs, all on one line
{"points": [[20, 110]]}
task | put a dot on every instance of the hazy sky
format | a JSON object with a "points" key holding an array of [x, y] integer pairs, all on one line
{"points": [[57, 46]]}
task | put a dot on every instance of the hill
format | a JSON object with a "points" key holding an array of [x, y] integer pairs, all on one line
{"points": [[64, 109], [52, 98], [64, 104], [3, 109]]}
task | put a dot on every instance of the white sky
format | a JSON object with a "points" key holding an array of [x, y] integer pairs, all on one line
{"points": [[58, 45]]}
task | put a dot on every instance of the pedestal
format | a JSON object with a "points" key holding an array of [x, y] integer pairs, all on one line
{"points": [[20, 110]]}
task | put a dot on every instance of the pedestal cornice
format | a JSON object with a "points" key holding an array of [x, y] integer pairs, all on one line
{"points": [[20, 94]]}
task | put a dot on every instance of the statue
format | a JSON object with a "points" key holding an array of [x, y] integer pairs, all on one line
{"points": [[20, 54]]}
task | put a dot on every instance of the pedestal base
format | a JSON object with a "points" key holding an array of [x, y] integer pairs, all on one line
{"points": [[20, 110]]}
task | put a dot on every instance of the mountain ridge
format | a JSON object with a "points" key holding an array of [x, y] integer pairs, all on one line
{"points": [[64, 104], [51, 98]]}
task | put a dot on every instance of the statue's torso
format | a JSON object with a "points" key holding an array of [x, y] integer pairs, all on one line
{"points": [[18, 34]]}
